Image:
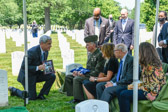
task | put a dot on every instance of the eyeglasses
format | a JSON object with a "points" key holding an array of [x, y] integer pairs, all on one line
{"points": [[96, 16], [116, 50]]}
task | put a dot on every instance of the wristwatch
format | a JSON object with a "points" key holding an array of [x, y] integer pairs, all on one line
{"points": [[95, 80]]}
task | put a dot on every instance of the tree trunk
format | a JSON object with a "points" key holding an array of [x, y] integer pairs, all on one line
{"points": [[81, 24], [47, 19]]}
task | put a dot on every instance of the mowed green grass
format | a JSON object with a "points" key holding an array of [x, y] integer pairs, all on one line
{"points": [[56, 102]]}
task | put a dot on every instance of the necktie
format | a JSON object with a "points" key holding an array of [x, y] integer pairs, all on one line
{"points": [[97, 32], [43, 57], [119, 71], [123, 21]]}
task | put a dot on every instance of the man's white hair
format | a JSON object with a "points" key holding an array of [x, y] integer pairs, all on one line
{"points": [[121, 47], [44, 39], [124, 10]]}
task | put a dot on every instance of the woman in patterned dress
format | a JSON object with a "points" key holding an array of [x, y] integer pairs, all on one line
{"points": [[152, 78]]}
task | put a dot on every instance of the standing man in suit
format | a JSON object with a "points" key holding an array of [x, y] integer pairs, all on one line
{"points": [[162, 20], [97, 25], [112, 25], [163, 42], [106, 91], [36, 56], [124, 31]]}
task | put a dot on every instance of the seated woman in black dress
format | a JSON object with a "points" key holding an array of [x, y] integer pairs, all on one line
{"points": [[110, 68]]}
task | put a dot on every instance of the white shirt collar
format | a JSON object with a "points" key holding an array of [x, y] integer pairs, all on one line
{"points": [[42, 51], [123, 59], [126, 19]]}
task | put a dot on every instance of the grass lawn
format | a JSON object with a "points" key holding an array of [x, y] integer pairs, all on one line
{"points": [[56, 102]]}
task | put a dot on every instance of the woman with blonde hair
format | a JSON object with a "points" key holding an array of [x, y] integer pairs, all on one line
{"points": [[110, 69], [152, 78]]}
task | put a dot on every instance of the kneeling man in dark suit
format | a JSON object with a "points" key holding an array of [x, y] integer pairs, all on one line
{"points": [[36, 56]]}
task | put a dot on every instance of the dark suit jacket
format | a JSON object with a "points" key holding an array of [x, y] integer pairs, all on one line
{"points": [[90, 29], [126, 76], [164, 33], [110, 36], [111, 26], [127, 34], [164, 36], [34, 60]]}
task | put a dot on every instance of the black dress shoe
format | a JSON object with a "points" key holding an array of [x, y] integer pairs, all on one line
{"points": [[10, 90], [73, 107], [41, 97]]}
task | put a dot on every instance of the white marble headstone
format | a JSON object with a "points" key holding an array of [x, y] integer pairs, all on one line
{"points": [[33, 42], [17, 58], [92, 106], [66, 53], [8, 33], [19, 38], [2, 42], [144, 35], [3, 88], [68, 57], [48, 33]]}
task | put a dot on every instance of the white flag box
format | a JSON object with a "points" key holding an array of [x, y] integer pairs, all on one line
{"points": [[69, 67]]}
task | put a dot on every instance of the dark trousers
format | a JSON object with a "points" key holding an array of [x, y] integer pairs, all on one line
{"points": [[107, 94], [73, 86], [165, 55], [111, 37], [129, 51], [159, 51], [125, 97], [49, 80], [68, 85], [35, 35]]}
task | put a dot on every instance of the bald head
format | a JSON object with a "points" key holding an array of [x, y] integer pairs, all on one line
{"points": [[110, 16], [96, 13], [124, 13], [34, 22]]}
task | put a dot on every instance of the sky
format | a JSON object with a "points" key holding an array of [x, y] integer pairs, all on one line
{"points": [[128, 3]]}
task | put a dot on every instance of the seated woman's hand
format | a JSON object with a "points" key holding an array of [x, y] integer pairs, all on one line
{"points": [[101, 75], [150, 97], [130, 87]]}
